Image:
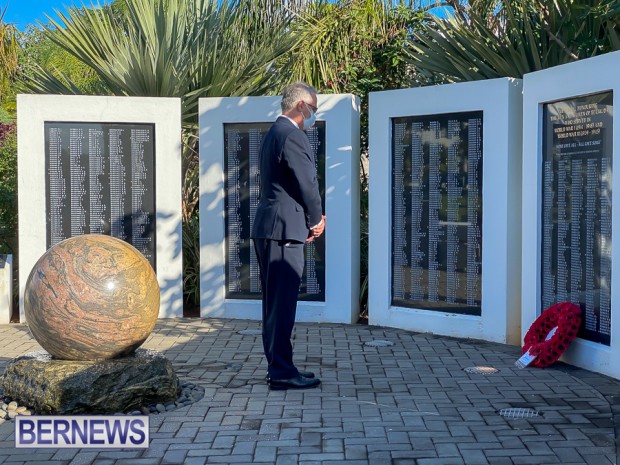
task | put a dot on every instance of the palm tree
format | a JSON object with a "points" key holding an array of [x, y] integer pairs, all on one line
{"points": [[331, 36], [38, 51], [485, 39], [180, 48], [9, 47]]}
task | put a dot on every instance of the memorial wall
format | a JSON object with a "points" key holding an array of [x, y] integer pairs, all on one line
{"points": [[231, 131], [437, 212], [568, 215], [445, 255], [242, 186], [577, 152], [102, 165], [100, 179]]}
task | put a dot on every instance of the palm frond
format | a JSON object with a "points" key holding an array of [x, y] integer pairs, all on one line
{"points": [[487, 39], [182, 48], [329, 32]]}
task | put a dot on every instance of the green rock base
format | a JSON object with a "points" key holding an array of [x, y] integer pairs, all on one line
{"points": [[63, 387]]}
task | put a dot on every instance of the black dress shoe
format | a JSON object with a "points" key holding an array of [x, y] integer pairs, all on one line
{"points": [[297, 382], [305, 374]]}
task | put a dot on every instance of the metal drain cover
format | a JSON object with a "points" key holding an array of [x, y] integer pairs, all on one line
{"points": [[519, 412], [378, 343], [481, 370], [250, 332]]}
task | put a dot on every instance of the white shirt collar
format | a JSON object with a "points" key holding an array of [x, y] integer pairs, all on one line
{"points": [[291, 120]]}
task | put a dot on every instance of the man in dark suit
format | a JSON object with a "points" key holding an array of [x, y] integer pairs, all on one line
{"points": [[288, 215]]}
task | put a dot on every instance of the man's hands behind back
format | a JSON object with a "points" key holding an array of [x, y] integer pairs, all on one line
{"points": [[316, 231]]}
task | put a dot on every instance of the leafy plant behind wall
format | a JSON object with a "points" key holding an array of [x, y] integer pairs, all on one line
{"points": [[486, 39], [9, 65], [8, 188]]}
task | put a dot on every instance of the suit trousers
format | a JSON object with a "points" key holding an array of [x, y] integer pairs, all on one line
{"points": [[281, 266]]}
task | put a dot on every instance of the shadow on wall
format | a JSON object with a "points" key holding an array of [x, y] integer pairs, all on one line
{"points": [[170, 289]]}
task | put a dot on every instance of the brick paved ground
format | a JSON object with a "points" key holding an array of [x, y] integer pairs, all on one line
{"points": [[407, 404]]}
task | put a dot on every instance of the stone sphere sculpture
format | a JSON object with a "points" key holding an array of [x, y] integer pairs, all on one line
{"points": [[91, 297]]}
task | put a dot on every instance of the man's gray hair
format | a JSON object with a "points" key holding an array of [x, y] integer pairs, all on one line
{"points": [[294, 93]]}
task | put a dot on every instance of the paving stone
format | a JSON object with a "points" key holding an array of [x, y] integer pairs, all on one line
{"points": [[244, 448], [170, 426], [142, 461], [40, 462], [346, 462], [310, 438], [119, 454], [26, 455], [597, 460], [379, 458], [207, 452], [195, 461], [62, 454], [265, 454], [535, 460], [441, 461], [287, 460], [398, 437], [205, 437], [540, 448], [296, 450], [187, 432], [232, 459], [474, 457], [174, 457], [332, 445], [447, 450], [84, 458]]}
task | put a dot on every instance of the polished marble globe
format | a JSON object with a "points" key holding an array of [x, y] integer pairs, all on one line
{"points": [[91, 297]]}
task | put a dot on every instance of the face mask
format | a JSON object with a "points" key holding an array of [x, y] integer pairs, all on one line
{"points": [[309, 122]]}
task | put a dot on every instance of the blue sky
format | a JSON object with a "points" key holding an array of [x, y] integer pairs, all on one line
{"points": [[25, 12]]}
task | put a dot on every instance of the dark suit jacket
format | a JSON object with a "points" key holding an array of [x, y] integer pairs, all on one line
{"points": [[290, 203]]}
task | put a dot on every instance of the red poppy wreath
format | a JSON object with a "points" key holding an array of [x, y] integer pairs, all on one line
{"points": [[551, 333]]}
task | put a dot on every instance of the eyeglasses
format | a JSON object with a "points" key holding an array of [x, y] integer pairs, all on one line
{"points": [[312, 107]]}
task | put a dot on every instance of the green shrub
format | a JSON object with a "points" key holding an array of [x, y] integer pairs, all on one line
{"points": [[8, 188], [191, 261], [5, 116]]}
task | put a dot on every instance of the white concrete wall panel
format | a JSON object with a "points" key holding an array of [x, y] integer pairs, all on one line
{"points": [[341, 116], [593, 75], [33, 111], [500, 102]]}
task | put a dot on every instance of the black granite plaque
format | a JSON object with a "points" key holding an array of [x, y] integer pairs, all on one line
{"points": [[100, 179], [576, 209], [242, 186], [437, 212]]}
